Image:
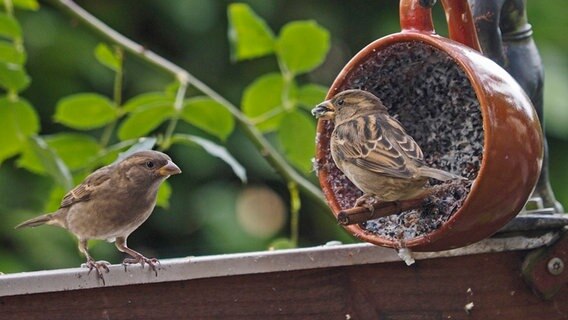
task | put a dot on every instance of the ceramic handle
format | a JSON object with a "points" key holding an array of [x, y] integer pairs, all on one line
{"points": [[460, 23], [415, 16]]}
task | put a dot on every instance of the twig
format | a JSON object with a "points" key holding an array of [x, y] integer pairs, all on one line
{"points": [[117, 98], [361, 214], [254, 135], [357, 215], [294, 213]]}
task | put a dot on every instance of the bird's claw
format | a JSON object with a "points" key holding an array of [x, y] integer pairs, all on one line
{"points": [[153, 263], [367, 201], [99, 266]]}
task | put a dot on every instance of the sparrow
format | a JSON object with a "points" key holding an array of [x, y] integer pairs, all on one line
{"points": [[374, 151], [110, 204]]}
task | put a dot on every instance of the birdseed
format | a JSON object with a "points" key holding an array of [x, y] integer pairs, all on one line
{"points": [[431, 96]]}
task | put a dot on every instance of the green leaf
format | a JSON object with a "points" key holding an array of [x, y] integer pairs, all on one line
{"points": [[107, 57], [85, 111], [24, 4], [13, 77], [9, 27], [141, 145], [262, 101], [249, 35], [302, 46], [30, 161], [311, 95], [144, 120], [209, 116], [214, 150], [150, 99], [172, 89], [54, 199], [53, 165], [9, 54], [75, 150], [164, 193], [296, 137], [109, 154], [18, 121]]}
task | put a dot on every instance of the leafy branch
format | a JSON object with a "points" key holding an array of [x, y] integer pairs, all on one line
{"points": [[184, 78], [101, 127]]}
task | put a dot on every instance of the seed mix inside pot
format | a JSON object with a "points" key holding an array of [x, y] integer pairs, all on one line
{"points": [[431, 96]]}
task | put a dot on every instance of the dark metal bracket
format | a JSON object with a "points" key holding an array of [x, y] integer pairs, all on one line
{"points": [[505, 36], [546, 270], [536, 220]]}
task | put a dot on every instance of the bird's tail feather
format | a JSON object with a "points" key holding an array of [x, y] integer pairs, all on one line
{"points": [[438, 174], [38, 221]]}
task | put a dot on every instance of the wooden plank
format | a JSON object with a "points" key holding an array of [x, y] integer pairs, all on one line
{"points": [[191, 268], [430, 289]]}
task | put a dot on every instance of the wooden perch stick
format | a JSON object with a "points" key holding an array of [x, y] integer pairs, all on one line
{"points": [[358, 214], [381, 209]]}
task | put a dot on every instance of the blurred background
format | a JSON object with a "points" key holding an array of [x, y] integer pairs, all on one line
{"points": [[211, 211]]}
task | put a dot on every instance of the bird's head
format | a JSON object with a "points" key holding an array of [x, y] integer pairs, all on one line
{"points": [[347, 104], [148, 167]]}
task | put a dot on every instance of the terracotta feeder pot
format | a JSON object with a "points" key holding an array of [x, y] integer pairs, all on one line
{"points": [[469, 116]]}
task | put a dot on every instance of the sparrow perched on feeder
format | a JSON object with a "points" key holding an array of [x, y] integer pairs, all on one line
{"points": [[374, 151], [111, 203]]}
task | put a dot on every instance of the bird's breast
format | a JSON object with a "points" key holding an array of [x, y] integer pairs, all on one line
{"points": [[109, 217]]}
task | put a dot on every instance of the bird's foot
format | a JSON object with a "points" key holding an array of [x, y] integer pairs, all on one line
{"points": [[367, 201], [153, 263], [99, 266]]}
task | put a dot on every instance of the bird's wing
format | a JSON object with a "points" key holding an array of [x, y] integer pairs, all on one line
{"points": [[366, 144], [84, 191], [408, 147]]}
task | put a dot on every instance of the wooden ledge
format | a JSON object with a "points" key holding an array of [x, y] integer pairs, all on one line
{"points": [[180, 269]]}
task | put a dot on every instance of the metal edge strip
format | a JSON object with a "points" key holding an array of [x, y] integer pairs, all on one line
{"points": [[180, 269]]}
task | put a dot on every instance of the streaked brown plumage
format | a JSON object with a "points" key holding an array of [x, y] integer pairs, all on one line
{"points": [[111, 203], [373, 150]]}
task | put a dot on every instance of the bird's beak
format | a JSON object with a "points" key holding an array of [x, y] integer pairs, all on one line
{"points": [[324, 110], [169, 169]]}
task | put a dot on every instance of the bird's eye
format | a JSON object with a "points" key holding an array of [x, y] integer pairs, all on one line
{"points": [[149, 164], [340, 102]]}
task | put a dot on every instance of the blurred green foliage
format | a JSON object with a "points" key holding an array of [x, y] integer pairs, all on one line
{"points": [[49, 65]]}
